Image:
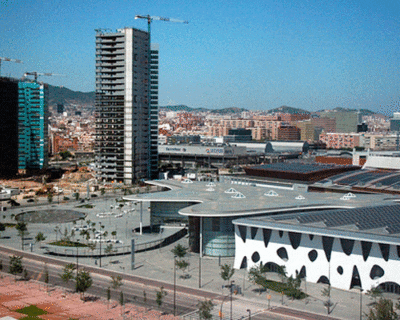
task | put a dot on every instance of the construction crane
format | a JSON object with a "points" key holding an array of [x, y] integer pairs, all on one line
{"points": [[36, 74], [151, 18], [8, 59]]}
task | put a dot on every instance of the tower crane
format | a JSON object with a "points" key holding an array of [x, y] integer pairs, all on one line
{"points": [[151, 18], [8, 59], [36, 74]]}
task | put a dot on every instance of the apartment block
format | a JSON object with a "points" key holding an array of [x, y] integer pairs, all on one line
{"points": [[395, 122], [346, 122], [126, 106], [335, 140], [288, 133], [376, 141], [325, 124], [307, 130]]}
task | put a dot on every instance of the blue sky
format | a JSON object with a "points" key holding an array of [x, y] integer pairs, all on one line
{"points": [[258, 54]]}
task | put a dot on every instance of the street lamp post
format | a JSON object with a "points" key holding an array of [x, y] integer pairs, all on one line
{"points": [[174, 285], [77, 262], [100, 245], [231, 288], [361, 290], [249, 311]]}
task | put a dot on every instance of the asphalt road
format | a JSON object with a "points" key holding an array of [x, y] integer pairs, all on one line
{"points": [[140, 292]]}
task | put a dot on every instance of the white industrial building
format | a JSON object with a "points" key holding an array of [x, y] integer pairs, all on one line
{"points": [[348, 248]]}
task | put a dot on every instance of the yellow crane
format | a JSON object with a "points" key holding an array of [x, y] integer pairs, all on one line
{"points": [[10, 60]]}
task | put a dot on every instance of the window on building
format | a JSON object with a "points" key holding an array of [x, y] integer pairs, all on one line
{"points": [[215, 224]]}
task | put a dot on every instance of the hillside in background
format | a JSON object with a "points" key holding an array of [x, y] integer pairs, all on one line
{"points": [[228, 110], [67, 96], [291, 110]]}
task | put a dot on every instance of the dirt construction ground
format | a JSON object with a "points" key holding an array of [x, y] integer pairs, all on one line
{"points": [[62, 304]]}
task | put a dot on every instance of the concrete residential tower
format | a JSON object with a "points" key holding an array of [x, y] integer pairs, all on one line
{"points": [[126, 106]]}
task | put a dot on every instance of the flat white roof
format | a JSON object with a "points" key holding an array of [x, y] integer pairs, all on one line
{"points": [[219, 203]]}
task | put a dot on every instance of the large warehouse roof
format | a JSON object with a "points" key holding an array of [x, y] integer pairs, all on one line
{"points": [[226, 199]]}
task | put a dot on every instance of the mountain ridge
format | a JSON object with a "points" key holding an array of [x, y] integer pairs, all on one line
{"points": [[67, 96]]}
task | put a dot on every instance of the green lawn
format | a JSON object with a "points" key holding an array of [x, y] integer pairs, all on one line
{"points": [[32, 312]]}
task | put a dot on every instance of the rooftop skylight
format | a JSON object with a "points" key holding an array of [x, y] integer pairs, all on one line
{"points": [[239, 195], [271, 193], [231, 190]]}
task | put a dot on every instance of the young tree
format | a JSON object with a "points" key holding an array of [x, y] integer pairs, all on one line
{"points": [[258, 277], [85, 234], [22, 229], [383, 310], [179, 251], [76, 196], [66, 235], [108, 297], [121, 301], [56, 230], [374, 293], [108, 249], [182, 265], [227, 272], [46, 277], [160, 296], [2, 227], [282, 273], [326, 292], [83, 282], [294, 284], [15, 265], [114, 234], [92, 247], [205, 308], [40, 237], [68, 272], [50, 197], [116, 282], [25, 275]]}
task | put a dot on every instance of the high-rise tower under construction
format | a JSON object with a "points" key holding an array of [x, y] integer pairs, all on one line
{"points": [[126, 106]]}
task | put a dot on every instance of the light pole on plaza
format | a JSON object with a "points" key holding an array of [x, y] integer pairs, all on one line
{"points": [[174, 285], [231, 288], [100, 244], [361, 290], [77, 262]]}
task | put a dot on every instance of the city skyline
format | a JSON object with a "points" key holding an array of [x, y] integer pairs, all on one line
{"points": [[261, 55]]}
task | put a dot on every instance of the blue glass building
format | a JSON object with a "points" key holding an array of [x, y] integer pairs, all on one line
{"points": [[32, 126]]}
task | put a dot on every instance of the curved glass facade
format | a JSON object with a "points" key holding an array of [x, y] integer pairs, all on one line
{"points": [[218, 237]]}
